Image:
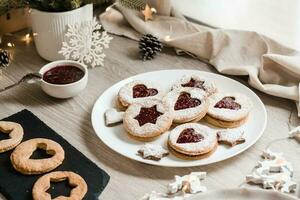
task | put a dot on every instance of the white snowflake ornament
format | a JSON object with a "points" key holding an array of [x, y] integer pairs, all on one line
{"points": [[85, 43]]}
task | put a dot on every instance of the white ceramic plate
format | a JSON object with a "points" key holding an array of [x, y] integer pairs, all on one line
{"points": [[242, 194], [117, 139]]}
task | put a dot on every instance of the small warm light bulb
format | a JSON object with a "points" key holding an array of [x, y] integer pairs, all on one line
{"points": [[27, 36], [10, 44], [153, 10], [167, 38]]}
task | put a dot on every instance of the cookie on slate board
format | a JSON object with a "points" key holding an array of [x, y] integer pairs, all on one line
{"points": [[15, 133], [75, 161], [78, 191], [21, 161], [228, 110]]}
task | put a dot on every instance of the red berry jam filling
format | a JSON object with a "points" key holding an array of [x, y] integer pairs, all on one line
{"points": [[63, 75], [148, 115], [189, 136], [228, 103], [185, 101], [194, 83], [141, 90]]}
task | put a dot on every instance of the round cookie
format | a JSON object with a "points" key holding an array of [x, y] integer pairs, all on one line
{"points": [[187, 104], [137, 91], [21, 161], [40, 187], [147, 119], [15, 132], [192, 141], [228, 110], [196, 81]]}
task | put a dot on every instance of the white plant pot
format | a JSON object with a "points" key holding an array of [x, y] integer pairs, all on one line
{"points": [[49, 29]]}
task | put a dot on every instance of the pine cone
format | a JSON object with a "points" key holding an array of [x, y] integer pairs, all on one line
{"points": [[4, 58], [149, 47]]}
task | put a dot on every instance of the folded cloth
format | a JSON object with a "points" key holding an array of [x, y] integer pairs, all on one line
{"points": [[272, 67]]}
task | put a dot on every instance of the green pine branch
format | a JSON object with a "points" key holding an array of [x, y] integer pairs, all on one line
{"points": [[133, 4], [7, 5], [47, 5]]}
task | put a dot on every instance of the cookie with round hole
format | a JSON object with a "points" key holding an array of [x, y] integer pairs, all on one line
{"points": [[15, 133], [192, 141], [40, 187], [137, 91], [21, 161], [228, 110], [147, 119], [196, 81], [187, 104]]}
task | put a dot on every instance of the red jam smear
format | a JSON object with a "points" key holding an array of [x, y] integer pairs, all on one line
{"points": [[194, 83], [228, 103], [189, 136], [185, 101], [148, 115], [141, 90], [64, 74]]}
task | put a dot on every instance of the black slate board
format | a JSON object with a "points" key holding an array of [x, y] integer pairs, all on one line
{"points": [[15, 186]]}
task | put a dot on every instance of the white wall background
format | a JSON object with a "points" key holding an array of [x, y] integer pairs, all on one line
{"points": [[279, 19]]}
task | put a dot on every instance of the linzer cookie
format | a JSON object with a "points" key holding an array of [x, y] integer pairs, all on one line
{"points": [[78, 184], [137, 91], [187, 104], [21, 157], [228, 110], [196, 81], [147, 119], [192, 141], [15, 133]]}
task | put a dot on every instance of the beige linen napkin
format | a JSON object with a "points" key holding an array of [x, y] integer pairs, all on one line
{"points": [[272, 67]]}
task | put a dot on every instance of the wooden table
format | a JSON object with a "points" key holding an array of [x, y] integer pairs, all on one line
{"points": [[130, 179]]}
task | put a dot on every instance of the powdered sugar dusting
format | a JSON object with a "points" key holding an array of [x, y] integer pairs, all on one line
{"points": [[162, 121], [190, 113], [209, 86], [231, 136], [152, 151], [228, 114], [126, 92], [208, 141]]}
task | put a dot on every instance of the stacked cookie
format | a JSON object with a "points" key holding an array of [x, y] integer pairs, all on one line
{"points": [[147, 112], [22, 162]]}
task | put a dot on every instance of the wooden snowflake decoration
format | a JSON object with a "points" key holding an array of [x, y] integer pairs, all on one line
{"points": [[85, 43]]}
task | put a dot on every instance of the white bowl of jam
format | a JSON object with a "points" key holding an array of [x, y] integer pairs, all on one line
{"points": [[64, 78]]}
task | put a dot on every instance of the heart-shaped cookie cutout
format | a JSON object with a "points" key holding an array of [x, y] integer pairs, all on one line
{"points": [[188, 135], [148, 115], [41, 153], [140, 90], [185, 101], [194, 83], [228, 103]]}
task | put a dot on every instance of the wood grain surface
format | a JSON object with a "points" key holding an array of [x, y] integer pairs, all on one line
{"points": [[130, 179]]}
